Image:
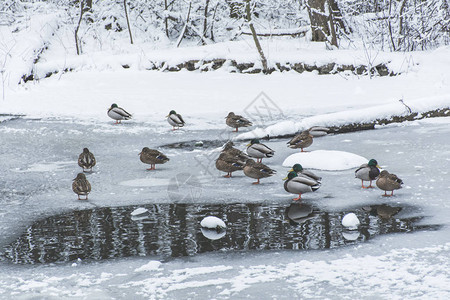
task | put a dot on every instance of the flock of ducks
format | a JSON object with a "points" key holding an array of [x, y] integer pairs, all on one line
{"points": [[298, 181]]}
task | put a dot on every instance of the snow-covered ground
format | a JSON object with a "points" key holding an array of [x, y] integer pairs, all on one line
{"points": [[67, 112]]}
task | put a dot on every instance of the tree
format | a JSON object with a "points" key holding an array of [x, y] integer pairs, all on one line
{"points": [[255, 37], [322, 21]]}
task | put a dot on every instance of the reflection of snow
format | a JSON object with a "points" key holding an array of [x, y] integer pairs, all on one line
{"points": [[325, 160]]}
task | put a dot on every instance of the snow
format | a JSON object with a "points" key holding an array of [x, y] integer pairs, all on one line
{"points": [[67, 111], [212, 223], [327, 160], [350, 221]]}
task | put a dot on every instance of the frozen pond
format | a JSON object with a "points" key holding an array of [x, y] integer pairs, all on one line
{"points": [[271, 246], [173, 230]]}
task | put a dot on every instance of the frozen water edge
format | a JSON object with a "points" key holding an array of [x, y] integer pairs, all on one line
{"points": [[398, 266]]}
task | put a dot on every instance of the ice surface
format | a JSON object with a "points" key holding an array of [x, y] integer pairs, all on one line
{"points": [[397, 266]]}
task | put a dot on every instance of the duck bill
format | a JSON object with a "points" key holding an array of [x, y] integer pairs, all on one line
{"points": [[248, 145], [285, 178], [140, 153], [291, 170], [378, 167]]}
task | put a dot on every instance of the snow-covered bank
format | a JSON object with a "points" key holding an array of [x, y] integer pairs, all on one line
{"points": [[401, 273]]}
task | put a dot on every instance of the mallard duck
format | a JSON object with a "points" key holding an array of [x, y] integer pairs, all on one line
{"points": [[174, 119], [316, 131], [257, 170], [152, 157], [229, 149], [86, 160], [236, 121], [81, 186], [300, 184], [118, 113], [368, 172], [388, 182], [259, 151], [302, 140], [298, 168], [229, 163]]}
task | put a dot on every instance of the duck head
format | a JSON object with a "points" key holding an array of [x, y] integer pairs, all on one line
{"points": [[80, 176], [297, 168], [145, 149], [252, 142], [373, 163], [291, 175]]}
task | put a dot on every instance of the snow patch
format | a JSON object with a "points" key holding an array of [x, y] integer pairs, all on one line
{"points": [[327, 160]]}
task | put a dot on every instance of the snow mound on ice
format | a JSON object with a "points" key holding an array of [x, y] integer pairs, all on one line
{"points": [[350, 221], [212, 222], [328, 160]]}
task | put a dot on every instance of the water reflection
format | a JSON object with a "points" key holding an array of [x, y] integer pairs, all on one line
{"points": [[173, 230]]}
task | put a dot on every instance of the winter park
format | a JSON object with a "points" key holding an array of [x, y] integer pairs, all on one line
{"points": [[237, 149]]}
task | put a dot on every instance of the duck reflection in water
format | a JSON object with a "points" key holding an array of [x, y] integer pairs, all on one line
{"points": [[299, 213]]}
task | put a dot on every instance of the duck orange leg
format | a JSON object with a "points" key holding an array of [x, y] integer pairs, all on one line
{"points": [[362, 184], [370, 185], [257, 182], [228, 175], [299, 197]]}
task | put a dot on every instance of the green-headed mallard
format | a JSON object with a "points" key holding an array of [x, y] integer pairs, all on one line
{"points": [[86, 160], [118, 113], [368, 172], [257, 170], [300, 184], [152, 157], [302, 140], [174, 119], [81, 186], [298, 168], [388, 182], [236, 121], [259, 151], [229, 163]]}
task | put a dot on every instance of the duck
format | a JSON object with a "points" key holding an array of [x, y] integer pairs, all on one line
{"points": [[86, 160], [152, 157], [257, 150], [257, 170], [300, 184], [236, 121], [229, 163], [388, 182], [81, 186], [368, 172], [118, 113], [317, 131], [228, 148], [302, 140], [298, 168], [174, 119]]}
